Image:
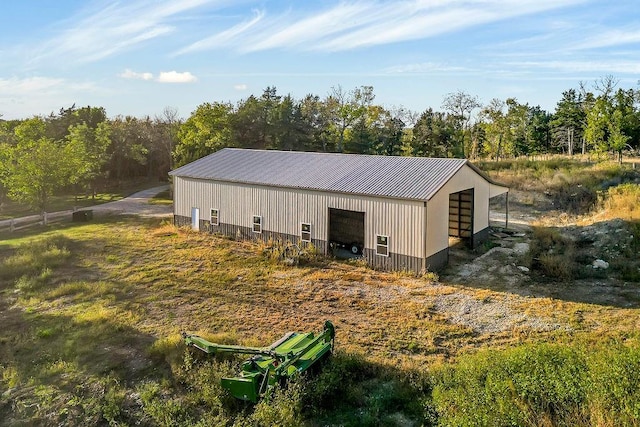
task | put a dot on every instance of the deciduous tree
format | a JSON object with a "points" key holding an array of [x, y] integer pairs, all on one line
{"points": [[93, 145], [36, 168], [207, 130], [433, 135], [128, 149], [345, 109], [460, 106], [496, 128]]}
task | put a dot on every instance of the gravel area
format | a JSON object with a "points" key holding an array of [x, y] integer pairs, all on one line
{"points": [[137, 204], [490, 315]]}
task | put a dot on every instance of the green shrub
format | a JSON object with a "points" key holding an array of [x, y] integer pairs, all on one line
{"points": [[614, 395], [33, 283], [283, 409], [160, 407], [330, 387], [351, 391], [112, 402], [552, 254], [526, 386]]}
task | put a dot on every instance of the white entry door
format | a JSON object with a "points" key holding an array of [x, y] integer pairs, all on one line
{"points": [[195, 219]]}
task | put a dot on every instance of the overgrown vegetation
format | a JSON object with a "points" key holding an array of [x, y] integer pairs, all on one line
{"points": [[553, 254], [91, 317], [567, 255], [92, 313], [542, 385], [288, 253], [605, 196], [570, 186]]}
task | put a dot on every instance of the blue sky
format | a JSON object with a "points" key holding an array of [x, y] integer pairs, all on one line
{"points": [[136, 57]]}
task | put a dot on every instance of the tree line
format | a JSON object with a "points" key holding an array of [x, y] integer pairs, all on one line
{"points": [[598, 120], [81, 149]]}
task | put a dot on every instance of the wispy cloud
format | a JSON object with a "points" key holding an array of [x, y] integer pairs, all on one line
{"points": [[307, 32], [609, 38], [425, 67], [615, 66], [354, 24], [240, 87], [129, 74], [100, 32], [176, 77], [16, 86], [223, 38], [22, 97]]}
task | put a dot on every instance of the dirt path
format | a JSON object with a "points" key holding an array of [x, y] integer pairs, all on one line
{"points": [[516, 221]]}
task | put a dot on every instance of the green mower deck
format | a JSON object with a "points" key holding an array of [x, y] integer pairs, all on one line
{"points": [[292, 354]]}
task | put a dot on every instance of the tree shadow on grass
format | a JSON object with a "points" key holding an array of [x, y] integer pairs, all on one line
{"points": [[70, 369], [38, 230], [70, 351]]}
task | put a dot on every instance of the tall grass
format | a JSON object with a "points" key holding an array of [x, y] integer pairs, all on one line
{"points": [[35, 257], [570, 185], [552, 254], [623, 201], [541, 385]]}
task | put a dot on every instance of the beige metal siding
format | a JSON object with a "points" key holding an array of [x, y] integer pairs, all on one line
{"points": [[438, 208], [283, 209]]}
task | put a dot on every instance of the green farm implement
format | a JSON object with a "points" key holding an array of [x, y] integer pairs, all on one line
{"points": [[292, 354]]}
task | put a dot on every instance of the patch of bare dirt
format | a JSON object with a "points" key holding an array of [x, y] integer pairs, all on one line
{"points": [[491, 315], [501, 263], [494, 313]]}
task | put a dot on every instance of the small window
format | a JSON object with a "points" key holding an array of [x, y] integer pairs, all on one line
{"points": [[214, 217], [305, 232], [382, 245], [257, 224]]}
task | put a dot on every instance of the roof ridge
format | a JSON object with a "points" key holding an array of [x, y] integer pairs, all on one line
{"points": [[331, 153]]}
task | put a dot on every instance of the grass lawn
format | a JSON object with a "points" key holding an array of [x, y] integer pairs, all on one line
{"points": [[162, 198], [91, 317]]}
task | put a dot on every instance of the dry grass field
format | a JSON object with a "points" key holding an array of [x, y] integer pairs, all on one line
{"points": [[91, 318]]}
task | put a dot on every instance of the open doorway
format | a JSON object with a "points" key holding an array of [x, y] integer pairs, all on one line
{"points": [[346, 233], [461, 218]]}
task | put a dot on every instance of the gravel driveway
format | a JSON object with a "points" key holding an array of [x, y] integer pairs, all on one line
{"points": [[135, 204]]}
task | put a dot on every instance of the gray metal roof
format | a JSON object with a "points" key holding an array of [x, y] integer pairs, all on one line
{"points": [[415, 178]]}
